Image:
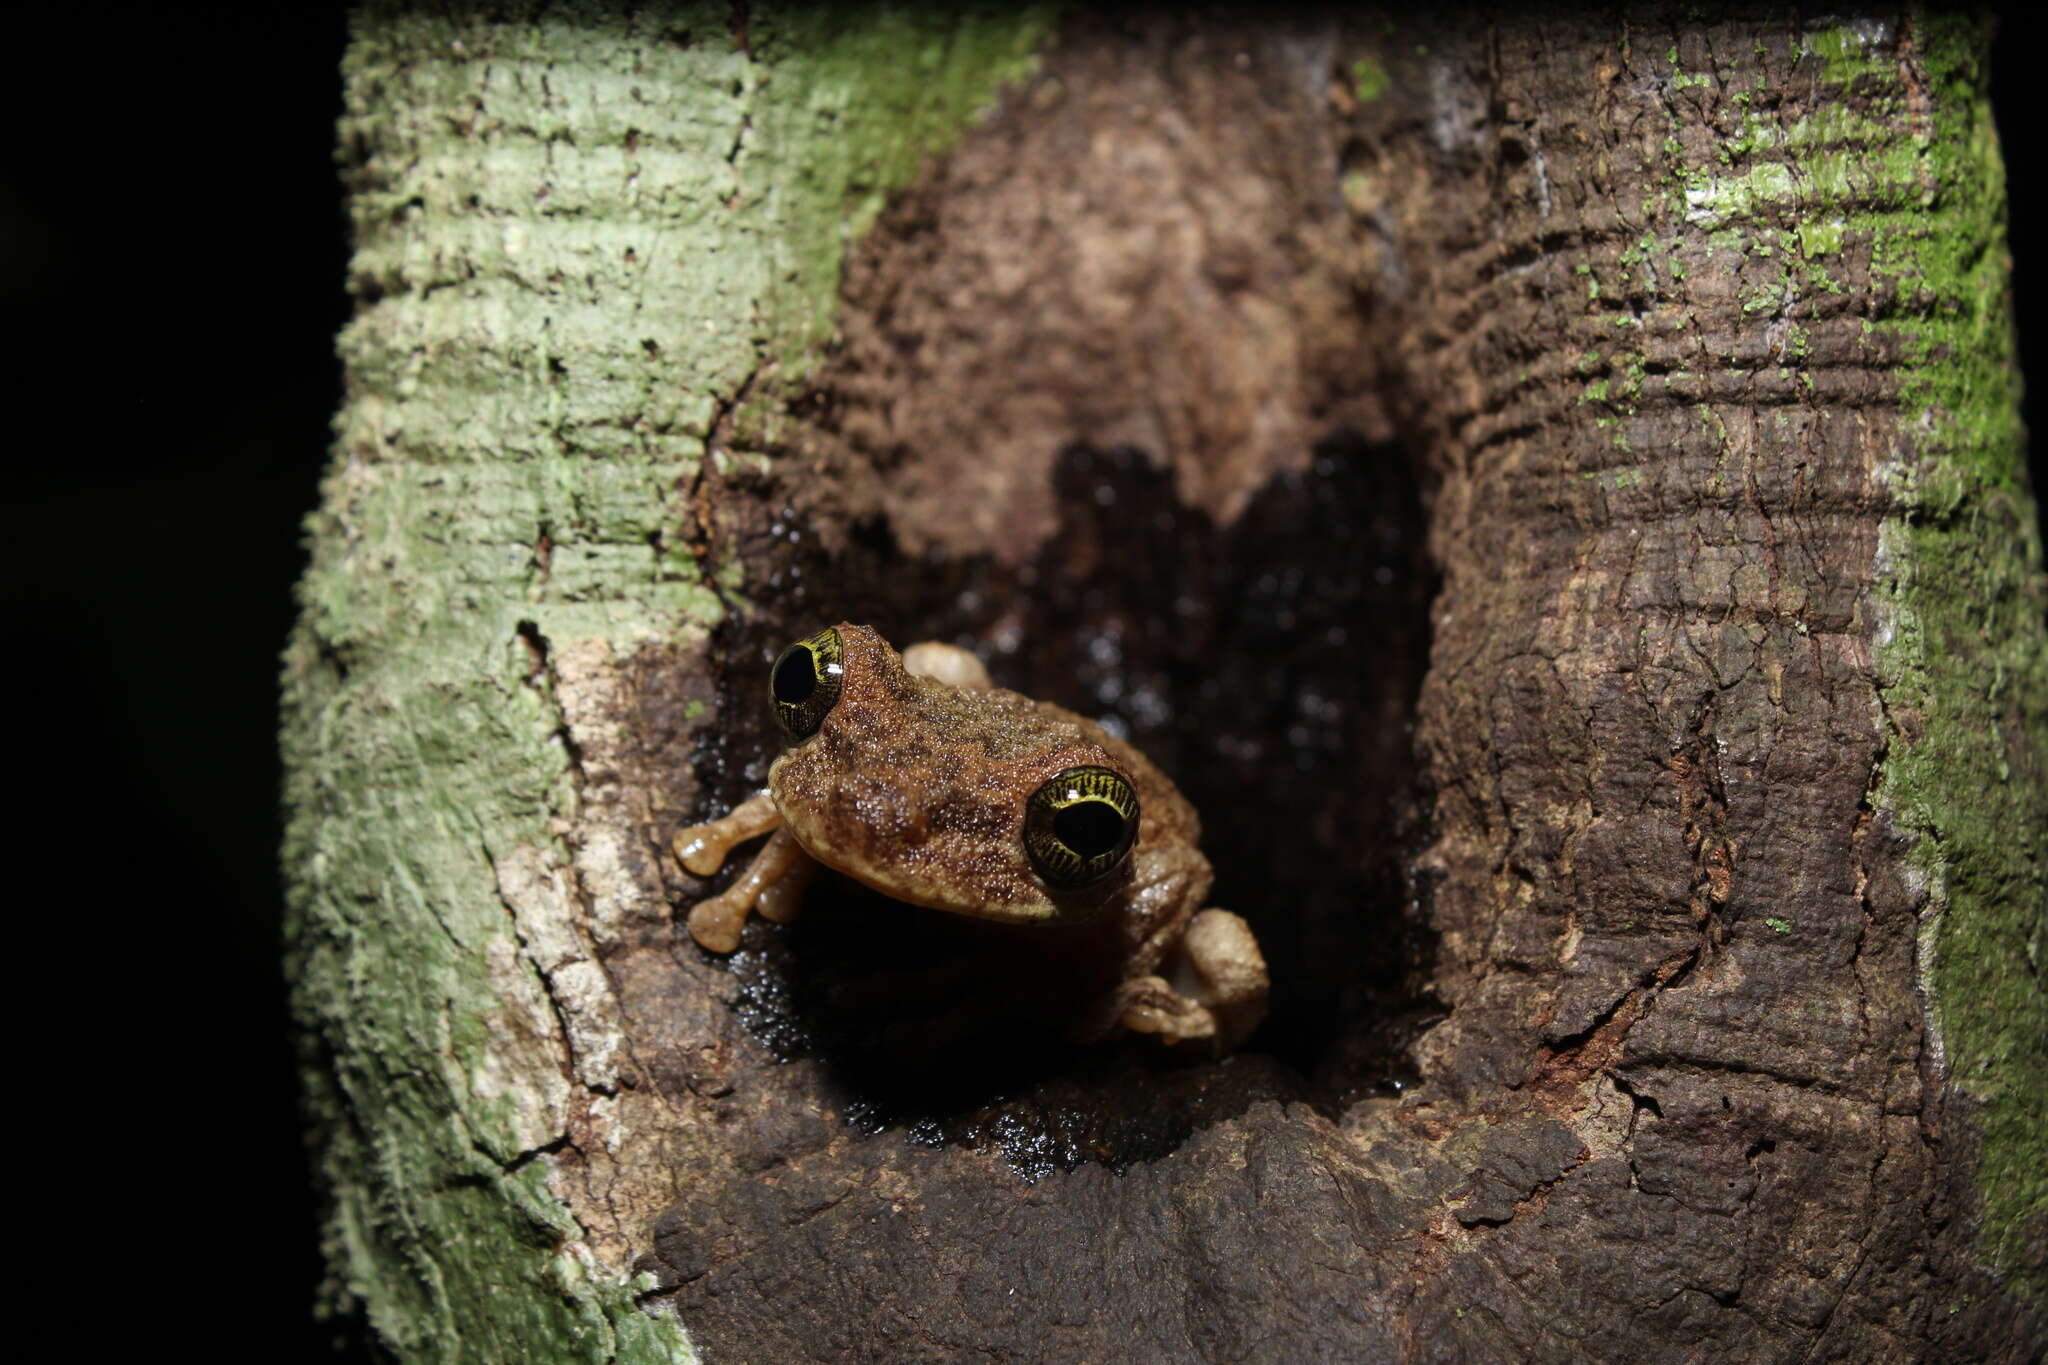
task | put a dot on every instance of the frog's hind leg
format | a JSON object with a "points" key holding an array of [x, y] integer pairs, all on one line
{"points": [[948, 664], [1212, 985], [773, 883]]}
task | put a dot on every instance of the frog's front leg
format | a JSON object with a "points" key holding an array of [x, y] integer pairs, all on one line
{"points": [[773, 883], [1212, 985]]}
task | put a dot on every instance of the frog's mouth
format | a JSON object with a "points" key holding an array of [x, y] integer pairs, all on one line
{"points": [[962, 881]]}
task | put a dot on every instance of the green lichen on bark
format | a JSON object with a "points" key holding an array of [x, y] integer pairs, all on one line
{"points": [[579, 234], [1903, 171], [1965, 668]]}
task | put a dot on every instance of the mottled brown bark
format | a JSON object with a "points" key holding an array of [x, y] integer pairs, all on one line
{"points": [[1141, 370]]}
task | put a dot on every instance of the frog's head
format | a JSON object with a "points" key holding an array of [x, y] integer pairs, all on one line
{"points": [[978, 802]]}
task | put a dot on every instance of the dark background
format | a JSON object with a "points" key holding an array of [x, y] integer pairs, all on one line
{"points": [[171, 262]]}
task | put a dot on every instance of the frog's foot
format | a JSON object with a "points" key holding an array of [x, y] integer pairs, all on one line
{"points": [[947, 664], [703, 848], [773, 884], [1214, 985]]}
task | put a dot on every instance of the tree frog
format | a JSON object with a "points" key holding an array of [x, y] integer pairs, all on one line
{"points": [[915, 776]]}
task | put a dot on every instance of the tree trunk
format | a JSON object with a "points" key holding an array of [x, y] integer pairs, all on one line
{"points": [[1551, 493]]}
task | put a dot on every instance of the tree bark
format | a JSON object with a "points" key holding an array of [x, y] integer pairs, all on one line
{"points": [[1551, 491]]}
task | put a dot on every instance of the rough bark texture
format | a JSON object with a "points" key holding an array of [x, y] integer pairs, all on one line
{"points": [[1671, 989], [579, 237]]}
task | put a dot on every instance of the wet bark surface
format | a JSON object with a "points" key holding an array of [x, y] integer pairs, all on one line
{"points": [[1229, 377]]}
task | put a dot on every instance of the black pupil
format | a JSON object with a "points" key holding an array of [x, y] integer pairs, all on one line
{"points": [[795, 679], [1090, 828]]}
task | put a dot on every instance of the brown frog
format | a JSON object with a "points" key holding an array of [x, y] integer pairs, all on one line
{"points": [[916, 777]]}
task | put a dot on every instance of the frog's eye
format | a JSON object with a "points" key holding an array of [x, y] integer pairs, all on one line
{"points": [[1079, 826], [805, 683]]}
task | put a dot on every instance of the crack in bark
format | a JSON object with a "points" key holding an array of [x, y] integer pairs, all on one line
{"points": [[1703, 806], [704, 497], [542, 678]]}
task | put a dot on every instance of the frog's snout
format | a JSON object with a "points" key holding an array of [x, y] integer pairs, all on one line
{"points": [[886, 810]]}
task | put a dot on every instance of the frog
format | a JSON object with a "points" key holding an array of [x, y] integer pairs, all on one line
{"points": [[914, 776]]}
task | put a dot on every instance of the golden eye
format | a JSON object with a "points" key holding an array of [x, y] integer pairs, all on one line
{"points": [[1079, 826], [805, 683]]}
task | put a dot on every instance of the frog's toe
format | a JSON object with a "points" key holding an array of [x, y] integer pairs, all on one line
{"points": [[1150, 1005], [715, 922], [704, 848], [781, 899]]}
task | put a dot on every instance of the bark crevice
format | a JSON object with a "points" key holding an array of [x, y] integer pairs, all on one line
{"points": [[1522, 483], [1651, 702]]}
